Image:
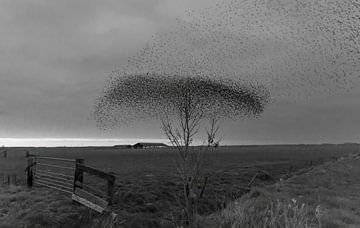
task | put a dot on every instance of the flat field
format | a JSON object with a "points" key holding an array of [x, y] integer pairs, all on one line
{"points": [[147, 185]]}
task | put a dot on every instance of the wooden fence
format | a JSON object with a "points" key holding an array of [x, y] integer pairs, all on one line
{"points": [[55, 173], [7, 179], [89, 195], [67, 175]]}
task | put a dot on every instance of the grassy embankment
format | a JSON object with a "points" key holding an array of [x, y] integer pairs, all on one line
{"points": [[327, 195]]}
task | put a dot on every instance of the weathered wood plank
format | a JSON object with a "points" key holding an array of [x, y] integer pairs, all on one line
{"points": [[55, 159], [91, 197], [87, 203], [41, 174], [29, 170], [47, 183], [96, 172], [53, 187], [50, 180], [90, 189], [69, 177], [78, 175], [55, 166], [110, 190]]}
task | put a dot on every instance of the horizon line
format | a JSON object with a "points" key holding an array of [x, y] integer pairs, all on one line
{"points": [[71, 142], [108, 142]]}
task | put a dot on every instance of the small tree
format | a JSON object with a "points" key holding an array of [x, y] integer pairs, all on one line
{"points": [[181, 104]]}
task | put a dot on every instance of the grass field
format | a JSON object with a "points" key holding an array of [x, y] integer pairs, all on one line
{"points": [[147, 185]]}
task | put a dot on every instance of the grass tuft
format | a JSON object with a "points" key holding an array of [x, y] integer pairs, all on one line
{"points": [[261, 213]]}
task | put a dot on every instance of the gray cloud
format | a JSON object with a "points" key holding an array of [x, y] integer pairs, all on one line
{"points": [[57, 55]]}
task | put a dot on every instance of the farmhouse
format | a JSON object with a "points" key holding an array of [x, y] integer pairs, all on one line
{"points": [[142, 145]]}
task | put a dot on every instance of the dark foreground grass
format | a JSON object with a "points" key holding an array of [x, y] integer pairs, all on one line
{"points": [[147, 187], [21, 207]]}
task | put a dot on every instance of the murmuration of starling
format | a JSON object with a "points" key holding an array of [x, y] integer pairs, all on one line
{"points": [[151, 96], [237, 56], [296, 48]]}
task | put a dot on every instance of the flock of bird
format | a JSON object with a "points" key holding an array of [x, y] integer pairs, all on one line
{"points": [[153, 96], [294, 48]]}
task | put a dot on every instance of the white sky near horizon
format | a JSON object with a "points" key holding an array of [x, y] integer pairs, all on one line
{"points": [[55, 58], [76, 142]]}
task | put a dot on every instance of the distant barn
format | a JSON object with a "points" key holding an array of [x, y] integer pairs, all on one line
{"points": [[142, 145]]}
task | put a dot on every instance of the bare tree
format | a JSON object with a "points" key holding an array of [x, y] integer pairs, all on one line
{"points": [[181, 104], [189, 159]]}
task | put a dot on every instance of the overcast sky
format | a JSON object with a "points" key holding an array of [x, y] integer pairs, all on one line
{"points": [[55, 58]]}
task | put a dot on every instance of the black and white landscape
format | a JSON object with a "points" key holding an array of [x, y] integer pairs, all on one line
{"points": [[165, 113]]}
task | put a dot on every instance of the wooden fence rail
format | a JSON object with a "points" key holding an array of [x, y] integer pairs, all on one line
{"points": [[67, 175], [97, 199], [7, 179], [54, 173]]}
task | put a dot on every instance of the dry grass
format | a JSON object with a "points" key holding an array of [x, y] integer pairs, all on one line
{"points": [[260, 210], [146, 186], [325, 196], [22, 207]]}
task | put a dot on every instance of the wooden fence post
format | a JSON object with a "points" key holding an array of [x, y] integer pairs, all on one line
{"points": [[111, 189], [30, 176], [79, 174], [203, 187], [13, 179]]}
